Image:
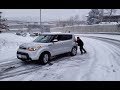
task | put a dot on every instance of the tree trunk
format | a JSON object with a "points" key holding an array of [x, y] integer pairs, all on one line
{"points": [[111, 10]]}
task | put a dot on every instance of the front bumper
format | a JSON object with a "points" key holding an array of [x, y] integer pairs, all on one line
{"points": [[27, 55], [25, 58]]}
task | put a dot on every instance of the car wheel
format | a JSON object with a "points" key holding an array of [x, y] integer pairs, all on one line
{"points": [[44, 58], [73, 51]]}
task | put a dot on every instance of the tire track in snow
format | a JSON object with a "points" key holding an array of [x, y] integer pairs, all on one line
{"points": [[92, 63], [113, 66], [112, 43], [16, 68]]}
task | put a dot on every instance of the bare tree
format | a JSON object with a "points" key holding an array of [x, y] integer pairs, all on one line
{"points": [[76, 19], [110, 12], [73, 20], [69, 22], [101, 14]]}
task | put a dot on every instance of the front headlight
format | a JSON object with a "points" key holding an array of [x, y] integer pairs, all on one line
{"points": [[33, 49]]}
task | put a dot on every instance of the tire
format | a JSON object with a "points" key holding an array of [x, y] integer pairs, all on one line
{"points": [[44, 58], [73, 51]]}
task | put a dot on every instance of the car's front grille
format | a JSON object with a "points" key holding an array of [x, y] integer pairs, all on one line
{"points": [[22, 48], [21, 53]]}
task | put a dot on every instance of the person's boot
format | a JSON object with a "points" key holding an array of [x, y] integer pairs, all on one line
{"points": [[81, 53], [85, 52]]}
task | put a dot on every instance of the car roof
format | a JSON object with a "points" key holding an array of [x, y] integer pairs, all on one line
{"points": [[56, 34]]}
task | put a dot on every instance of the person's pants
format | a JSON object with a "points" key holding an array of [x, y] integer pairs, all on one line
{"points": [[82, 49]]}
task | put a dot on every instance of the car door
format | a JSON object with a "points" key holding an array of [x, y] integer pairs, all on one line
{"points": [[66, 42], [56, 47]]}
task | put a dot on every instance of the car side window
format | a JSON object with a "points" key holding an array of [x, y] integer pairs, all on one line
{"points": [[64, 37], [54, 37]]}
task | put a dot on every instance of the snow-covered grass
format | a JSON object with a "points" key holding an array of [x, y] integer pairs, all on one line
{"points": [[9, 43]]}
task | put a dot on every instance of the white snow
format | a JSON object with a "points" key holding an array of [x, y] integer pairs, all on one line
{"points": [[9, 43], [100, 63], [108, 23], [102, 23], [116, 37]]}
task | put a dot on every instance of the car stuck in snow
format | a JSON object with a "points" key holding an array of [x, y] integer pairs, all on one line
{"points": [[47, 45]]}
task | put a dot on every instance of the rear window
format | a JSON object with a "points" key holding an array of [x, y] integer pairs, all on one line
{"points": [[64, 37]]}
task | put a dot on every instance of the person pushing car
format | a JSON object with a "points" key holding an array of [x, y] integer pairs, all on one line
{"points": [[80, 44]]}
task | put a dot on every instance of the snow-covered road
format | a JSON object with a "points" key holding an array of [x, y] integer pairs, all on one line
{"points": [[100, 63], [106, 64]]}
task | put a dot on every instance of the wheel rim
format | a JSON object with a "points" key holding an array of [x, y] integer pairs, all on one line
{"points": [[45, 58], [74, 51]]}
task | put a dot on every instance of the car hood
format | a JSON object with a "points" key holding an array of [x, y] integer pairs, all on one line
{"points": [[33, 44]]}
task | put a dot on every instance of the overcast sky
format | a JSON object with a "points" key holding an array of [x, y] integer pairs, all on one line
{"points": [[47, 14]]}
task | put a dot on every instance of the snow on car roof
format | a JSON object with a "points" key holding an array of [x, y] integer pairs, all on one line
{"points": [[51, 33]]}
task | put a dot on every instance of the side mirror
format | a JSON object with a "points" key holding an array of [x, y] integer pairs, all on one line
{"points": [[55, 40]]}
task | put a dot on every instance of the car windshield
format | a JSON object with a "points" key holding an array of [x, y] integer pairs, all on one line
{"points": [[44, 38]]}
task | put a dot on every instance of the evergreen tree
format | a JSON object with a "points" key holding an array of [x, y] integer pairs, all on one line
{"points": [[94, 16]]}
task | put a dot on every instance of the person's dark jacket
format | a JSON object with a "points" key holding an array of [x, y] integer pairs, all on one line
{"points": [[80, 42]]}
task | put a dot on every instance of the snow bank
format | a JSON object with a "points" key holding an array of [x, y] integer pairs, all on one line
{"points": [[9, 43]]}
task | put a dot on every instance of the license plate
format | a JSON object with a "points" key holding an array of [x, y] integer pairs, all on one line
{"points": [[22, 56]]}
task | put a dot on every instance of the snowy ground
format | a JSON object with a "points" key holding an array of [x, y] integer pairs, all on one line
{"points": [[9, 43], [101, 63], [116, 37]]}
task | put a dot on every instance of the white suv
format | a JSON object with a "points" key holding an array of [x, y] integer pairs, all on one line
{"points": [[47, 45]]}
